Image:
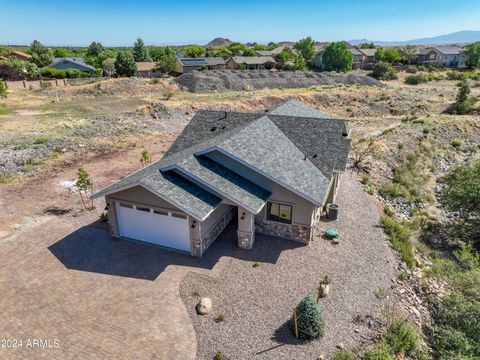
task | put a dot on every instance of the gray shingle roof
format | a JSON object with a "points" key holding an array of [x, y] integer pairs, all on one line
{"points": [[291, 144], [263, 146], [78, 61], [252, 60], [297, 109], [449, 50]]}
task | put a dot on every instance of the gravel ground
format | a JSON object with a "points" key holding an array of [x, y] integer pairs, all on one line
{"points": [[258, 302], [239, 80]]}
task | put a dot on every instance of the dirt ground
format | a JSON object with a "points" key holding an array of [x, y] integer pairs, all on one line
{"points": [[46, 135]]}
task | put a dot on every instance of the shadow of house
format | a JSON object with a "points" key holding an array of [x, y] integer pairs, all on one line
{"points": [[92, 249]]}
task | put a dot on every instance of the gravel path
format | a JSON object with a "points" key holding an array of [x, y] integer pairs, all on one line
{"points": [[239, 80], [257, 302]]}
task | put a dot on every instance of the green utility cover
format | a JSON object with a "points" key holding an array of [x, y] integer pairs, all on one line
{"points": [[330, 233]]}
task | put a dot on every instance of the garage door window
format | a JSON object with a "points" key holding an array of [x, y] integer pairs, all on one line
{"points": [[126, 205], [180, 216], [143, 209], [160, 212]]}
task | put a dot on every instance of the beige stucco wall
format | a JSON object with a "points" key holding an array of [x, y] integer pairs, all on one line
{"points": [[141, 195], [302, 209]]}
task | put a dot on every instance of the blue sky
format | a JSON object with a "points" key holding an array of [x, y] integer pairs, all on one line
{"points": [[120, 22]]}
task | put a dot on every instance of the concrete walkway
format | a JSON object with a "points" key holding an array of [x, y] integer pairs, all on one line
{"points": [[86, 296]]}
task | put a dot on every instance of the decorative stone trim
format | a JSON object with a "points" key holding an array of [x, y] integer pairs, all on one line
{"points": [[299, 233], [246, 238], [112, 218], [216, 230]]}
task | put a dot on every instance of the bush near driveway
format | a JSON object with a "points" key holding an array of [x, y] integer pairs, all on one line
{"points": [[311, 324]]}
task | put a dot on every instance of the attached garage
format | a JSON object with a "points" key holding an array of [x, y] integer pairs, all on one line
{"points": [[157, 226]]}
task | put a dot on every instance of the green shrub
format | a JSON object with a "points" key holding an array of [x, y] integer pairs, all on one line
{"points": [[416, 79], [387, 210], [52, 73], [219, 318], [344, 355], [383, 71], [73, 73], [399, 234], [456, 144], [218, 356], [41, 140], [412, 70], [456, 75], [393, 190], [451, 343], [3, 89], [311, 324], [378, 354], [402, 338]]}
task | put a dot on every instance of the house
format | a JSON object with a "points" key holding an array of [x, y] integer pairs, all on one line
{"points": [[146, 69], [446, 56], [19, 55], [273, 172], [71, 63], [186, 65], [250, 62], [368, 58], [272, 53]]}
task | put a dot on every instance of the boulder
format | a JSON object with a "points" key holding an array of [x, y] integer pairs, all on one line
{"points": [[204, 306]]}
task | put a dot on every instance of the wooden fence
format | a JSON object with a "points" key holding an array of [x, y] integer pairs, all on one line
{"points": [[33, 84]]}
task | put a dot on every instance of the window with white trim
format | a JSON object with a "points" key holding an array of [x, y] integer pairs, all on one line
{"points": [[279, 212]]}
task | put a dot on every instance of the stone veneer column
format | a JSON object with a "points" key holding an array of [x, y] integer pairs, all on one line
{"points": [[246, 229]]}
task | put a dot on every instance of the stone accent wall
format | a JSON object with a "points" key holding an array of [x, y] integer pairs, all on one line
{"points": [[196, 248], [246, 239], [112, 218], [216, 230], [294, 232]]}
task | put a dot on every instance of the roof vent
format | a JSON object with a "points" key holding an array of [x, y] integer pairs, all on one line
{"points": [[213, 128], [314, 156], [305, 158]]}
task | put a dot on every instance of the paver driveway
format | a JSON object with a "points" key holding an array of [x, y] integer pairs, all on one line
{"points": [[98, 298]]}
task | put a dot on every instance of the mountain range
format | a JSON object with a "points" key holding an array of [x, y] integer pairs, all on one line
{"points": [[459, 37]]}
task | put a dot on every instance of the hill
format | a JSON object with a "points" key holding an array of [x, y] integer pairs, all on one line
{"points": [[219, 41], [458, 37]]}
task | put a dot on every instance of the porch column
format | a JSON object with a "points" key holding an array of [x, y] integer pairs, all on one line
{"points": [[246, 228]]}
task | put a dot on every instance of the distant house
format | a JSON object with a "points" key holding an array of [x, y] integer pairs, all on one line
{"points": [[250, 62], [186, 65], [446, 56], [146, 69], [272, 53], [17, 55], [368, 57], [71, 63]]}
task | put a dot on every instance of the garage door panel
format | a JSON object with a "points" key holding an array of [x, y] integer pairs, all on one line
{"points": [[155, 228]]}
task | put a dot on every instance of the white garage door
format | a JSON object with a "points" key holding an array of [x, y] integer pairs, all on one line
{"points": [[154, 226]]}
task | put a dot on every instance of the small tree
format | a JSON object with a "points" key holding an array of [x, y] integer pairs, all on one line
{"points": [[463, 104], [140, 52], [95, 49], [310, 322], [306, 47], [108, 65], [84, 185], [194, 51], [472, 56], [337, 57], [249, 52], [166, 60], [125, 64], [363, 152], [145, 158]]}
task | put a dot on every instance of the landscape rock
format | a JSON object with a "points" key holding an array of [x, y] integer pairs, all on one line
{"points": [[204, 306]]}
